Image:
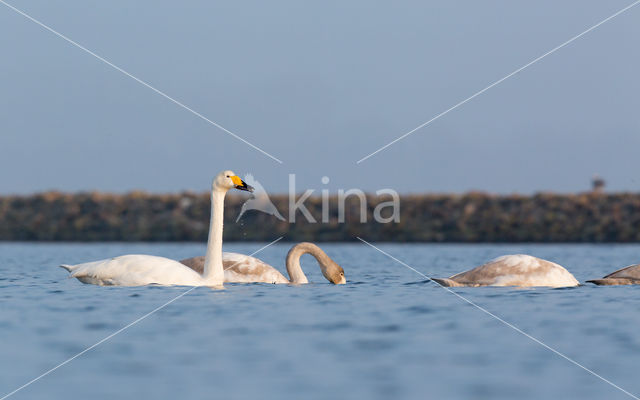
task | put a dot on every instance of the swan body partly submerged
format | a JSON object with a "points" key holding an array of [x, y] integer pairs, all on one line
{"points": [[135, 270], [626, 276], [139, 270], [242, 268], [513, 270]]}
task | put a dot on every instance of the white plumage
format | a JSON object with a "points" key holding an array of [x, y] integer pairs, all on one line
{"points": [[135, 270]]}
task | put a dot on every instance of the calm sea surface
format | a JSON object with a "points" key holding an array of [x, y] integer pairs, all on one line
{"points": [[388, 333]]}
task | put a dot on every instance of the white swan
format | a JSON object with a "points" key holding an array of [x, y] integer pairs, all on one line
{"points": [[241, 268], [513, 270], [626, 276], [138, 270]]}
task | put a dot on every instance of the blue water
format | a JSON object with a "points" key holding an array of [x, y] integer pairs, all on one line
{"points": [[388, 333]]}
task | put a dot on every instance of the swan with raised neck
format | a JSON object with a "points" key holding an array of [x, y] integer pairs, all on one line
{"points": [[139, 270]]}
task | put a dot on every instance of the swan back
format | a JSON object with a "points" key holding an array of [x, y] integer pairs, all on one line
{"points": [[625, 276], [135, 270], [514, 270], [240, 268], [630, 272]]}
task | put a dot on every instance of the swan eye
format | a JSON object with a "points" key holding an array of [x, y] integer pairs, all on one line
{"points": [[227, 176]]}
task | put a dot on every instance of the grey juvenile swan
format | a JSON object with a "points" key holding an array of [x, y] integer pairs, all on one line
{"points": [[513, 270], [242, 268], [626, 276]]}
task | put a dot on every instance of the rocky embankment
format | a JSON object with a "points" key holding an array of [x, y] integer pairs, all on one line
{"points": [[472, 217]]}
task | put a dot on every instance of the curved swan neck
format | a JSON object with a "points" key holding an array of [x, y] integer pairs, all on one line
{"points": [[213, 272], [296, 275]]}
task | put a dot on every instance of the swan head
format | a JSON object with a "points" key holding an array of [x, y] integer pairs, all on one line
{"points": [[333, 272], [227, 180]]}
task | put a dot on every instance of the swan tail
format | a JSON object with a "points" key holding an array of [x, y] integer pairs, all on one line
{"points": [[69, 268], [446, 282]]}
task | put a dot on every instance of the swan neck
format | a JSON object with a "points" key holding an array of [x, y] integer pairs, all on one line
{"points": [[296, 275], [213, 272]]}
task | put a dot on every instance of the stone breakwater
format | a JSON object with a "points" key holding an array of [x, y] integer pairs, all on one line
{"points": [[471, 217]]}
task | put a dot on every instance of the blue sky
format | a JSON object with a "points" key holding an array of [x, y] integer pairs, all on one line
{"points": [[320, 85]]}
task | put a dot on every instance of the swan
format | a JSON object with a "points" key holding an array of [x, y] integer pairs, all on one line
{"points": [[626, 276], [513, 270], [241, 268], [139, 270]]}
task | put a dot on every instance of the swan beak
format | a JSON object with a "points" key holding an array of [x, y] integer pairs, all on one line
{"points": [[241, 185]]}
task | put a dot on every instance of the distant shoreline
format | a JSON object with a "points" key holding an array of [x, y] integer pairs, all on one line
{"points": [[431, 218]]}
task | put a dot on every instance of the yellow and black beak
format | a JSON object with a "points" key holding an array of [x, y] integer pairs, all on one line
{"points": [[240, 184]]}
